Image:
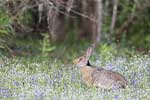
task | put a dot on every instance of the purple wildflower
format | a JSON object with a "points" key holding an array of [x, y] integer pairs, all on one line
{"points": [[134, 82], [109, 67], [116, 97], [38, 94], [4, 92], [16, 83]]}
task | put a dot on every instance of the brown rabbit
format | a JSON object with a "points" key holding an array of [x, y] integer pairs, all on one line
{"points": [[99, 77]]}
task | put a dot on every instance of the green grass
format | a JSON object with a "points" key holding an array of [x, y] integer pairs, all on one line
{"points": [[54, 77]]}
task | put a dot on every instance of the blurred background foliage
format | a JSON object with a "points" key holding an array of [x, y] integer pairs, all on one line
{"points": [[23, 23], [6, 31]]}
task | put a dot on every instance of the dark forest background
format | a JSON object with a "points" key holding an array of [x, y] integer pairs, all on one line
{"points": [[47, 23]]}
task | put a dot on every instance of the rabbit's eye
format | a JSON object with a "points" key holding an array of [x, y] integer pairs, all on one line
{"points": [[81, 59]]}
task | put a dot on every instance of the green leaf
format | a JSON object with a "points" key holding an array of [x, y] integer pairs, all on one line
{"points": [[4, 32]]}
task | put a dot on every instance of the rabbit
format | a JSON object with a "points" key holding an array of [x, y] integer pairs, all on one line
{"points": [[99, 77]]}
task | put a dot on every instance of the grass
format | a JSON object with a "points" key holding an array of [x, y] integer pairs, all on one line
{"points": [[54, 77]]}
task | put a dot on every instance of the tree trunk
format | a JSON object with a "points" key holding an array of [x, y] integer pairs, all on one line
{"points": [[97, 27], [113, 20]]}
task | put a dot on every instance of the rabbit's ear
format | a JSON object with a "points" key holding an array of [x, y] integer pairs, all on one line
{"points": [[89, 52]]}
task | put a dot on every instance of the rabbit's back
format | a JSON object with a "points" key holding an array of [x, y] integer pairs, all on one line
{"points": [[108, 79]]}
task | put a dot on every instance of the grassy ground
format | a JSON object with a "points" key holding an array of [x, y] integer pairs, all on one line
{"points": [[54, 77]]}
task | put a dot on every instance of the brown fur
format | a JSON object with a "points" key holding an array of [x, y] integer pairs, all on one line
{"points": [[102, 78]]}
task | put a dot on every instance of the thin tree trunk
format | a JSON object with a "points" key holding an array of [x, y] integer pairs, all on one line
{"points": [[113, 20], [98, 24]]}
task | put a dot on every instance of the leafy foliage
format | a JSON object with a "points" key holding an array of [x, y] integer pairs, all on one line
{"points": [[6, 31], [141, 30], [46, 46]]}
